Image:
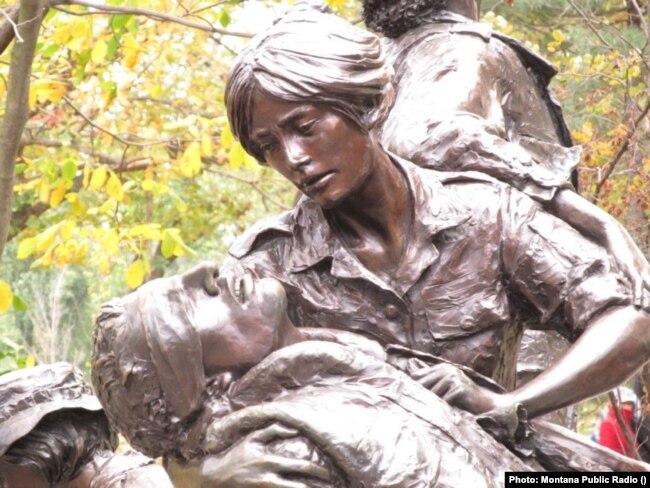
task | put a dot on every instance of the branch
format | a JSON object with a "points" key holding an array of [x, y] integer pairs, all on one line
{"points": [[121, 139], [590, 24], [621, 151], [253, 184], [17, 108], [639, 15], [152, 14], [115, 164], [8, 28]]}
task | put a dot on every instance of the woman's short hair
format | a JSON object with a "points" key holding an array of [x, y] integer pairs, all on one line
{"points": [[310, 55]]}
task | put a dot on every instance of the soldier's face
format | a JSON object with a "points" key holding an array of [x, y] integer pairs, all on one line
{"points": [[239, 317]]}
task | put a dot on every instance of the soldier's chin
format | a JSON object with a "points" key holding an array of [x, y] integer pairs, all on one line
{"points": [[273, 297]]}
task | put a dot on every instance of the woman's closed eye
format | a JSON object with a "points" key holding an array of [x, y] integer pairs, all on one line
{"points": [[267, 145], [307, 128]]}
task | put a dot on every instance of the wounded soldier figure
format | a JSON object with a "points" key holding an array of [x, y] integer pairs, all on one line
{"points": [[208, 371]]}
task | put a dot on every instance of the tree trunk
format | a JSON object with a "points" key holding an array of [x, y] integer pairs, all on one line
{"points": [[13, 123]]}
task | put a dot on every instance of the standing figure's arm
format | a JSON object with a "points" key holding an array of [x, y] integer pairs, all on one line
{"points": [[591, 220]]}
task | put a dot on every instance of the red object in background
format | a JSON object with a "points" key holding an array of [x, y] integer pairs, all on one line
{"points": [[610, 432]]}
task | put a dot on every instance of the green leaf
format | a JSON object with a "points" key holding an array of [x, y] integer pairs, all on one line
{"points": [[19, 304], [168, 244], [113, 46], [224, 19], [69, 170], [120, 20], [50, 50]]}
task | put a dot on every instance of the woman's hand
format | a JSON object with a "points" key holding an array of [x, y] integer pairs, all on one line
{"points": [[249, 465], [457, 389]]}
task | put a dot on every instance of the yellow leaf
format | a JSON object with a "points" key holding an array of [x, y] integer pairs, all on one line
{"points": [[98, 54], [206, 145], [44, 192], [156, 91], [66, 230], [61, 34], [135, 274], [114, 187], [6, 296], [558, 36], [46, 90], [30, 361], [226, 137], [190, 161], [148, 231], [78, 207], [104, 265], [81, 31], [26, 248], [98, 178], [45, 260], [56, 197], [236, 156], [61, 255], [131, 49], [46, 239]]}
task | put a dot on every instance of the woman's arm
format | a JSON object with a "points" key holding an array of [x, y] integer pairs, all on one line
{"points": [[612, 348]]}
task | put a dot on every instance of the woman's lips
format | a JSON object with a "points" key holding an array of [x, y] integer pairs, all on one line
{"points": [[317, 182]]}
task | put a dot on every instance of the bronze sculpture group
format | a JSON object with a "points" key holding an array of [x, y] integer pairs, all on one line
{"points": [[344, 342]]}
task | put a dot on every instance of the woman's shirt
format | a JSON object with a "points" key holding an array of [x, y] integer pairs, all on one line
{"points": [[490, 260]]}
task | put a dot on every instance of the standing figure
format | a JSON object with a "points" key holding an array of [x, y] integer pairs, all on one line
{"points": [[469, 98], [53, 433]]}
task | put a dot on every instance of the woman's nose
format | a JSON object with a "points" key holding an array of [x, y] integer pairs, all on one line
{"points": [[295, 153]]}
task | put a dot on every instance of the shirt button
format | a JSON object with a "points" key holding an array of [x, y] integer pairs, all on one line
{"points": [[391, 312]]}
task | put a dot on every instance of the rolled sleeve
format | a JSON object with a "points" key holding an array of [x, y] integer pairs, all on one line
{"points": [[566, 278]]}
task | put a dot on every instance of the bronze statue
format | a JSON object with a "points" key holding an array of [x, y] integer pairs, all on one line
{"points": [[470, 98], [187, 367], [53, 432], [438, 262], [207, 371]]}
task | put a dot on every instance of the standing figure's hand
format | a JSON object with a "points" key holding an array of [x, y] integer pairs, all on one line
{"points": [[248, 464]]}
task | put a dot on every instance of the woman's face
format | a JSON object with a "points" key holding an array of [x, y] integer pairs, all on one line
{"points": [[326, 156], [239, 318]]}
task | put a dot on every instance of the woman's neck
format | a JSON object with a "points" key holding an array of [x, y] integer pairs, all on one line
{"points": [[375, 220]]}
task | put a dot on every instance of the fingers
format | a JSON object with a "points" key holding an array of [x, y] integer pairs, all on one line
{"points": [[273, 432], [435, 376], [278, 464], [275, 481]]}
